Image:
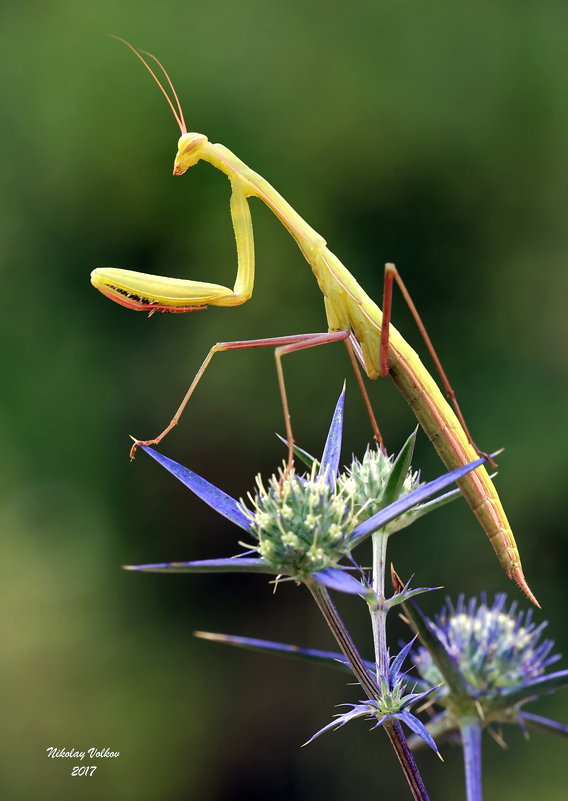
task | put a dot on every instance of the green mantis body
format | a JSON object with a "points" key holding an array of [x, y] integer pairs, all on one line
{"points": [[348, 309]]}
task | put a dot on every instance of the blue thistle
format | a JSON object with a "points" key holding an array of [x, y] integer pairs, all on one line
{"points": [[303, 525], [393, 703], [494, 647], [490, 661]]}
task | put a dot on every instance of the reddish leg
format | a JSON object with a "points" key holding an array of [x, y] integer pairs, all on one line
{"points": [[283, 345], [356, 369], [311, 341], [391, 275]]}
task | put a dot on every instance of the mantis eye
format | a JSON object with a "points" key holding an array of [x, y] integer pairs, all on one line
{"points": [[190, 142]]}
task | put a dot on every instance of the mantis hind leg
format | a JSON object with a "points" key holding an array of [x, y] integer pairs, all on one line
{"points": [[392, 275]]}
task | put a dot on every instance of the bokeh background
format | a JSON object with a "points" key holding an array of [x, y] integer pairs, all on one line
{"points": [[433, 135]]}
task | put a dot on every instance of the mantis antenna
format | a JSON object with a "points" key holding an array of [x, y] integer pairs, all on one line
{"points": [[138, 53]]}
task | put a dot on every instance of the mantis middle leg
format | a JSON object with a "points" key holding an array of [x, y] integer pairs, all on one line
{"points": [[282, 345]]}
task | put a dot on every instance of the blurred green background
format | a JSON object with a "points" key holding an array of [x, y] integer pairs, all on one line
{"points": [[433, 135]]}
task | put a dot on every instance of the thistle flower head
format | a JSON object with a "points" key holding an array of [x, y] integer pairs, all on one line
{"points": [[368, 480], [394, 703], [494, 647], [301, 523], [491, 660]]}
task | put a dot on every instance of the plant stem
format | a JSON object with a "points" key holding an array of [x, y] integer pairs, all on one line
{"points": [[409, 767], [369, 685], [379, 609], [343, 638], [471, 740]]}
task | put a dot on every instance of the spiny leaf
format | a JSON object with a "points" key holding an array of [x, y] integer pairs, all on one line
{"points": [[332, 449], [213, 496], [330, 659], [305, 457], [399, 471], [408, 501], [531, 689], [545, 724], [229, 565]]}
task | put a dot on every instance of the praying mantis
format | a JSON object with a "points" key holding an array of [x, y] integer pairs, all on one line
{"points": [[352, 317]]}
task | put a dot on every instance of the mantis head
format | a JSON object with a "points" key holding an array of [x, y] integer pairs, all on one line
{"points": [[189, 144], [189, 150]]}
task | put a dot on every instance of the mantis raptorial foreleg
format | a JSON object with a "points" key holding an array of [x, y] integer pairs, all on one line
{"points": [[244, 238]]}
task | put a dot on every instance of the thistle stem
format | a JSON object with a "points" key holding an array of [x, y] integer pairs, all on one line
{"points": [[368, 683], [409, 767], [343, 638], [471, 740], [379, 609]]}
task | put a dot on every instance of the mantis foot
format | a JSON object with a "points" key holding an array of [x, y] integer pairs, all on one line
{"points": [[138, 442]]}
